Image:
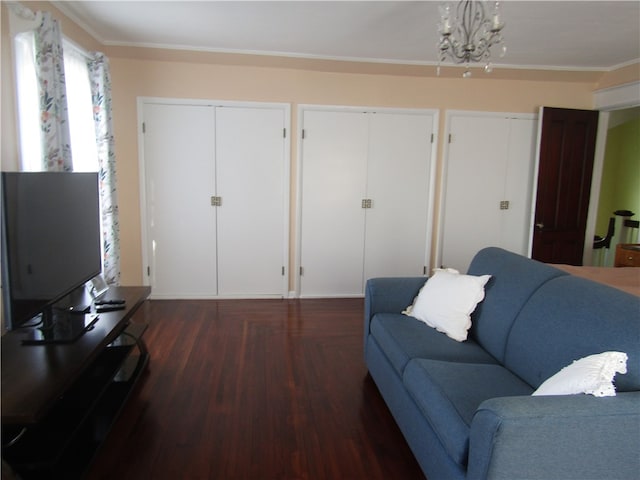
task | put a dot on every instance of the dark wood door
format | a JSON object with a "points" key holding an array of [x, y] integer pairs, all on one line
{"points": [[567, 147]]}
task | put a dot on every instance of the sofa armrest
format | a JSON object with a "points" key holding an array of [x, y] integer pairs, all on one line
{"points": [[573, 436], [389, 295]]}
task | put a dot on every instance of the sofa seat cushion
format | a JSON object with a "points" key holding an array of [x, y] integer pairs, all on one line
{"points": [[448, 394], [403, 338]]}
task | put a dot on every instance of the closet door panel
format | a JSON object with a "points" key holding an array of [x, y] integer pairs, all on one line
{"points": [[180, 178], [516, 220], [250, 181], [333, 186], [475, 183], [398, 185]]}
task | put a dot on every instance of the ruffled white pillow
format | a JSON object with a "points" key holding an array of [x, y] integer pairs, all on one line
{"points": [[447, 300], [592, 375]]}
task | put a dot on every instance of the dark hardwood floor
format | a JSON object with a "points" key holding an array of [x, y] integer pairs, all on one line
{"points": [[255, 389]]}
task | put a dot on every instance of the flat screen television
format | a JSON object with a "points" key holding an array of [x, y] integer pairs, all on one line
{"points": [[50, 249]]}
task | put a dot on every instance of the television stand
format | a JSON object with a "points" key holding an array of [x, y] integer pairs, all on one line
{"points": [[60, 400], [65, 327]]}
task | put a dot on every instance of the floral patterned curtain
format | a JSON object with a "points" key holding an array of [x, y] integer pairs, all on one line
{"points": [[55, 138], [100, 80]]}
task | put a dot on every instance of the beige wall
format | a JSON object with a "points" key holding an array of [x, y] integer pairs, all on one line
{"points": [[178, 74], [621, 76], [133, 78]]}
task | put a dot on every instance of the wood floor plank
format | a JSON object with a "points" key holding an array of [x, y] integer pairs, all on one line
{"points": [[255, 389]]}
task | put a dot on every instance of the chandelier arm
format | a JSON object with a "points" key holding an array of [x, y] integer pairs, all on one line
{"points": [[452, 49], [465, 19], [476, 21]]}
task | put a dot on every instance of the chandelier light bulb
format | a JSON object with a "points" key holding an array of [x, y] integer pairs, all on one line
{"points": [[496, 24], [445, 20]]}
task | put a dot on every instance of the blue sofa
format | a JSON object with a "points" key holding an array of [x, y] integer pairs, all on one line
{"points": [[465, 408]]}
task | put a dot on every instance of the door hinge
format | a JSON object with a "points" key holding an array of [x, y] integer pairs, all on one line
{"points": [[284, 133], [283, 270], [424, 270], [303, 133], [148, 271], [450, 138], [216, 201], [301, 271], [144, 127], [432, 138]]}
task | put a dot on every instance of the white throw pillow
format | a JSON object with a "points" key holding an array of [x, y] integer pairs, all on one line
{"points": [[446, 301], [593, 375]]}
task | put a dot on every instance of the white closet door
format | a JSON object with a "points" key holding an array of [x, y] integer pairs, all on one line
{"points": [[180, 179], [250, 181], [515, 235], [334, 163], [398, 186], [490, 160], [476, 166]]}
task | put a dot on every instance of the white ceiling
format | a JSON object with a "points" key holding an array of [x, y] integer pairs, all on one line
{"points": [[576, 35]]}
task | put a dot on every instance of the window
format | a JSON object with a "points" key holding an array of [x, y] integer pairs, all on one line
{"points": [[28, 109], [84, 151], [80, 109]]}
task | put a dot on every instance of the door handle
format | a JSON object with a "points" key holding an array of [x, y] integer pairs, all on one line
{"points": [[540, 226]]}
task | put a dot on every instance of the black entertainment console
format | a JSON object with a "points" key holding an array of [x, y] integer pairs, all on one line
{"points": [[60, 400]]}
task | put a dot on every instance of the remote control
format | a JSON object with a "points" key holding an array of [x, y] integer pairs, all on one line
{"points": [[115, 301], [109, 308]]}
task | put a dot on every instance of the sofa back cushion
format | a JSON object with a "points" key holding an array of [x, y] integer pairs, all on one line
{"points": [[569, 318], [514, 279]]}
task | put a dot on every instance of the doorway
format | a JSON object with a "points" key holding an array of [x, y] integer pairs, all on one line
{"points": [[620, 181], [607, 101]]}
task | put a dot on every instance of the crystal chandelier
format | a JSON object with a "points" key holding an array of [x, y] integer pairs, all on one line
{"points": [[469, 36]]}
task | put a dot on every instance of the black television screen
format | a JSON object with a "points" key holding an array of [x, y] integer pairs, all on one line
{"points": [[50, 239]]}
